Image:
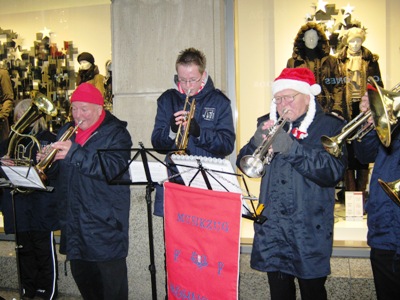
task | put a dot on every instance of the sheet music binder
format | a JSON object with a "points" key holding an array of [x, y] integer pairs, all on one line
{"points": [[221, 175], [143, 166], [218, 175], [23, 176]]}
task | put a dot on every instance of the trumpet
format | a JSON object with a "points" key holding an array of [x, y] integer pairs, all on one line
{"points": [[253, 165], [48, 159], [182, 137], [334, 144]]}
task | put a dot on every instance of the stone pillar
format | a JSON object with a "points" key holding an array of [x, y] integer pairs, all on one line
{"points": [[147, 36]]}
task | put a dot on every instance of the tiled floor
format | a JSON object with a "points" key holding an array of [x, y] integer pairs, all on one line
{"points": [[13, 295]]}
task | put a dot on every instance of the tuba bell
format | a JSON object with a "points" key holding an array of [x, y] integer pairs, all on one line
{"points": [[40, 106], [384, 113], [182, 137]]}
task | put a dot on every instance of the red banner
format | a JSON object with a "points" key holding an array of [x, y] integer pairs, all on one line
{"points": [[202, 241]]}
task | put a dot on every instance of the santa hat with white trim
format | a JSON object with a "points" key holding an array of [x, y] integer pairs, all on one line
{"points": [[303, 81]]}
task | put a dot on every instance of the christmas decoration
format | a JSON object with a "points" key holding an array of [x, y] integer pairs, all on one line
{"points": [[41, 68], [335, 21]]}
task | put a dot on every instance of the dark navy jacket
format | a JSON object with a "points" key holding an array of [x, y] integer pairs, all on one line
{"points": [[213, 114], [94, 214], [298, 191], [383, 215]]}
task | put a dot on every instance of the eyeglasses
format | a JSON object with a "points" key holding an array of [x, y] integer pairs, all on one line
{"points": [[189, 81], [288, 99]]}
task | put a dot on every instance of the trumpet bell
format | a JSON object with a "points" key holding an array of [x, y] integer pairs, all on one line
{"points": [[383, 113], [392, 189], [252, 166], [332, 145]]}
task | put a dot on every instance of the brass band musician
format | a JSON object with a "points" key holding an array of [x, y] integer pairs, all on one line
{"points": [[211, 132], [297, 189]]}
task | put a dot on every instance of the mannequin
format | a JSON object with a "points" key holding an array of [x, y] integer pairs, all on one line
{"points": [[89, 72], [356, 64], [311, 50]]}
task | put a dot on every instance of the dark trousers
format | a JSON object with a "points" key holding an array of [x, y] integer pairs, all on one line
{"points": [[386, 269], [38, 263], [282, 286], [101, 280]]}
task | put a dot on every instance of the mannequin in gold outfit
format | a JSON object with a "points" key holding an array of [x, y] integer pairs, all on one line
{"points": [[356, 64]]}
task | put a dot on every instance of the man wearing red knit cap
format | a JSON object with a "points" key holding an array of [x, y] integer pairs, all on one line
{"points": [[94, 216], [297, 189]]}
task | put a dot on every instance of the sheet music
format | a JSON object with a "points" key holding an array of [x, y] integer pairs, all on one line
{"points": [[225, 178], [216, 167], [23, 176], [158, 171]]}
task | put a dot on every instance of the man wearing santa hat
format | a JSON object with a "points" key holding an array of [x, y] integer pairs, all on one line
{"points": [[297, 189], [94, 215]]}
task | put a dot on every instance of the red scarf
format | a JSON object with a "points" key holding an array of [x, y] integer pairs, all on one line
{"points": [[83, 135]]}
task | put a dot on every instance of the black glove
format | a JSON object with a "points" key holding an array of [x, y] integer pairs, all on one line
{"points": [[259, 135], [282, 142], [174, 127], [194, 128]]}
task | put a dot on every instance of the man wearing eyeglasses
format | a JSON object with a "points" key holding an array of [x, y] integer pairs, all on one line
{"points": [[211, 130], [297, 189]]}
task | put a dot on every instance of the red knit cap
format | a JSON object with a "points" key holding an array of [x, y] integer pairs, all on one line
{"points": [[87, 92]]}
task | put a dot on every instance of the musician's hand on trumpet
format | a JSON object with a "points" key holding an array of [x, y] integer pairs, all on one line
{"points": [[43, 152], [282, 142], [181, 118], [63, 149], [262, 132]]}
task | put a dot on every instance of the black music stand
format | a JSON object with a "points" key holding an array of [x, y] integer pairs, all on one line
{"points": [[213, 183], [147, 179], [26, 178]]}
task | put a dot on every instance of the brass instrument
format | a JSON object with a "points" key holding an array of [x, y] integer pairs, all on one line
{"points": [[384, 114], [392, 189], [253, 165], [40, 106], [334, 144], [48, 159], [182, 137]]}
